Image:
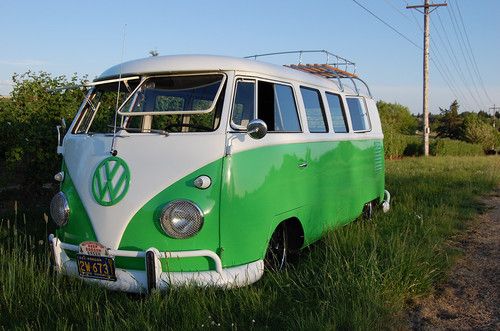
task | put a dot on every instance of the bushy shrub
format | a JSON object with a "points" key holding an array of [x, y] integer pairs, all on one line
{"points": [[450, 147], [397, 117], [477, 131], [393, 144], [399, 127], [397, 145], [414, 146]]}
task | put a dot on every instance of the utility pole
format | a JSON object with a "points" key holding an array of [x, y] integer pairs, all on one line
{"points": [[493, 111], [427, 10]]}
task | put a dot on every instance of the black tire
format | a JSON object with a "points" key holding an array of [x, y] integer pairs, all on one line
{"points": [[278, 250], [368, 210]]}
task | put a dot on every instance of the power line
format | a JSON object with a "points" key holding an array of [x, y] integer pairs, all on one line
{"points": [[476, 68], [444, 71], [441, 69], [467, 57], [387, 24], [460, 41], [441, 66], [427, 11], [396, 9], [455, 61]]}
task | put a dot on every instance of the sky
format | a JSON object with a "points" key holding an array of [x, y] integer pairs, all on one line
{"points": [[87, 37]]}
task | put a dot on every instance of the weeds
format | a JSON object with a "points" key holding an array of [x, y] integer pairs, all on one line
{"points": [[358, 277]]}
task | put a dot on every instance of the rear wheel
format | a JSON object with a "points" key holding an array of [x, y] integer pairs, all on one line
{"points": [[368, 210]]}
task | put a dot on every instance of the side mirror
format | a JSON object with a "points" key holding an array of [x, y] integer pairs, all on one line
{"points": [[60, 134], [257, 129]]}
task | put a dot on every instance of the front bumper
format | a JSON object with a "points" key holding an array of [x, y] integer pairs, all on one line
{"points": [[143, 281]]}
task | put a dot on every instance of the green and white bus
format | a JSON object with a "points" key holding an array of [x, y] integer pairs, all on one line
{"points": [[205, 170]]}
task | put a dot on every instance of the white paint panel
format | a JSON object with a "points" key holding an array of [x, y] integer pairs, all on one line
{"points": [[240, 141], [206, 63], [155, 162], [374, 115]]}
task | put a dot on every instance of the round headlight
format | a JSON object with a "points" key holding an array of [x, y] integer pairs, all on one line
{"points": [[59, 209], [181, 219]]}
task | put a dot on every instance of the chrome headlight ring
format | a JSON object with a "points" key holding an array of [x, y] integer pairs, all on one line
{"points": [[181, 219], [59, 209]]}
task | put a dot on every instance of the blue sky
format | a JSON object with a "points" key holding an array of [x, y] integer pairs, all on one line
{"points": [[64, 37]]}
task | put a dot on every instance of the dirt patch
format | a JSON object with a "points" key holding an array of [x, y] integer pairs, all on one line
{"points": [[470, 297]]}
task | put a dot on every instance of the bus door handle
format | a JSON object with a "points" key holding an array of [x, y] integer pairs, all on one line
{"points": [[303, 165]]}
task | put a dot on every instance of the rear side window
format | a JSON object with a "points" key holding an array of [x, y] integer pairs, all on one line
{"points": [[314, 110], [276, 106], [359, 115], [337, 112]]}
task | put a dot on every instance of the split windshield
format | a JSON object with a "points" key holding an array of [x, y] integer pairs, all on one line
{"points": [[189, 103]]}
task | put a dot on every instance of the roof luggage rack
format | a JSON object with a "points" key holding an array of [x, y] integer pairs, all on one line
{"points": [[325, 70], [340, 69]]}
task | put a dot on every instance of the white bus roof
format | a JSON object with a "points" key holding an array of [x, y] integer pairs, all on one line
{"points": [[206, 63]]}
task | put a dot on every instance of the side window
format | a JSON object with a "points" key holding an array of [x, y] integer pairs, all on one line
{"points": [[244, 103], [337, 112], [277, 107], [314, 110], [359, 115]]}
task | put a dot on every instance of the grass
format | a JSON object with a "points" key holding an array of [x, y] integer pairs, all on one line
{"points": [[360, 276]]}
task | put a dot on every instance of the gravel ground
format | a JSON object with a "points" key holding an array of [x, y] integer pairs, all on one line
{"points": [[469, 300]]}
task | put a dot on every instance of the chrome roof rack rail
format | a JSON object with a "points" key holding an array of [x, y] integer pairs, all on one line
{"points": [[334, 67]]}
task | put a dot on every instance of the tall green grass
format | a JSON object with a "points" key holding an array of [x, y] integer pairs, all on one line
{"points": [[358, 277]]}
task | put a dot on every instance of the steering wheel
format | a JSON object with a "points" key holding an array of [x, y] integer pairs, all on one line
{"points": [[187, 125]]}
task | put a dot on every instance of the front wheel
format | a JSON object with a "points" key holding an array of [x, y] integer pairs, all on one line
{"points": [[278, 250]]}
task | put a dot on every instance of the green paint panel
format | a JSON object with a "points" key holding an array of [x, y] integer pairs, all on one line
{"points": [[265, 186], [144, 230], [257, 189], [79, 227]]}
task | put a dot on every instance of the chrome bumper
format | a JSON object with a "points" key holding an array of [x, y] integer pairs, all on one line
{"points": [[139, 281]]}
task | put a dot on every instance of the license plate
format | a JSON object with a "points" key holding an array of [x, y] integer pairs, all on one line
{"points": [[99, 267]]}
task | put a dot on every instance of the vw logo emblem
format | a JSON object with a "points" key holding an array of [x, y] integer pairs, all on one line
{"points": [[111, 181]]}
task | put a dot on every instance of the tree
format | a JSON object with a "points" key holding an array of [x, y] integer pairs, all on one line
{"points": [[450, 124], [434, 121], [483, 115], [28, 125], [5, 107]]}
